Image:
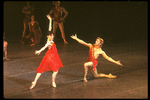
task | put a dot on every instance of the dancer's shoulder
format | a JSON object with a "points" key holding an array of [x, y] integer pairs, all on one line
{"points": [[101, 51]]}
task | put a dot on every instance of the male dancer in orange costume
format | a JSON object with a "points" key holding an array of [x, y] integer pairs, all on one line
{"points": [[94, 52], [51, 60]]}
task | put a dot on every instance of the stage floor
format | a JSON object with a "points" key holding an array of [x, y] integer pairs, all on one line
{"points": [[131, 81]]}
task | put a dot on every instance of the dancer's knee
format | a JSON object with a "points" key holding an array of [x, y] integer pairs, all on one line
{"points": [[54, 73], [85, 66]]}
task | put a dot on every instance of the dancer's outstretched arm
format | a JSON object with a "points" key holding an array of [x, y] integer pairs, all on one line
{"points": [[110, 59], [42, 49], [80, 41]]}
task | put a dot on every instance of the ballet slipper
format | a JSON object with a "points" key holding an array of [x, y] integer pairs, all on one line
{"points": [[33, 85], [53, 84]]}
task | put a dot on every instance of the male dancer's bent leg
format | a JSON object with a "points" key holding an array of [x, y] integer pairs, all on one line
{"points": [[95, 74], [86, 65], [89, 65]]}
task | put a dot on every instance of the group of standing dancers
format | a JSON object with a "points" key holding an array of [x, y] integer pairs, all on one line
{"points": [[51, 61]]}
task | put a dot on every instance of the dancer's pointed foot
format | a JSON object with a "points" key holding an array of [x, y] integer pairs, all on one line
{"points": [[33, 85], [65, 42], [32, 44], [53, 84], [111, 76], [5, 59], [85, 80]]}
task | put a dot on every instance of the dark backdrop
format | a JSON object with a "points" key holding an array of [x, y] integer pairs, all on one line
{"points": [[113, 21]]}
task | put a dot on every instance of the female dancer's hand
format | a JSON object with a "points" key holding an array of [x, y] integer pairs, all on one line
{"points": [[48, 17], [37, 52]]}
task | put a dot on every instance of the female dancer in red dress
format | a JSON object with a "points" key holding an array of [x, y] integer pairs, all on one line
{"points": [[50, 62]]}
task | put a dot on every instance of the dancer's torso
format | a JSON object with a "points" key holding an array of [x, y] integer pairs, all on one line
{"points": [[57, 14], [94, 52]]}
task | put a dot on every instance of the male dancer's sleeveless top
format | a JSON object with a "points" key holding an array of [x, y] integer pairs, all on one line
{"points": [[91, 57]]}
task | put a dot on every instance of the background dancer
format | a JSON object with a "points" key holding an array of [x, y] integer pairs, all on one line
{"points": [[28, 11], [94, 52], [5, 44], [50, 62], [35, 31], [56, 15]]}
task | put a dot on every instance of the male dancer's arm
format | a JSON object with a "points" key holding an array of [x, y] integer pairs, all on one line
{"points": [[80, 41], [66, 13], [27, 12], [110, 59]]}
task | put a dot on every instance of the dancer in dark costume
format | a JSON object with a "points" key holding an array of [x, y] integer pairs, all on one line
{"points": [[56, 15], [94, 52], [35, 31], [28, 11], [50, 62]]}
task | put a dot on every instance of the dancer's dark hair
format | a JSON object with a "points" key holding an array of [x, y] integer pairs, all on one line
{"points": [[50, 33]]}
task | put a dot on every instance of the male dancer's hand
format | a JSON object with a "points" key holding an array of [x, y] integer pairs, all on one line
{"points": [[118, 62], [74, 36]]}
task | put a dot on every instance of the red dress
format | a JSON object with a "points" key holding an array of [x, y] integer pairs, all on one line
{"points": [[50, 61], [91, 57]]}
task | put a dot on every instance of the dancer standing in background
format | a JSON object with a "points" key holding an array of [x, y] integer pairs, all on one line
{"points": [[50, 62], [27, 11], [5, 44], [56, 15], [94, 52]]}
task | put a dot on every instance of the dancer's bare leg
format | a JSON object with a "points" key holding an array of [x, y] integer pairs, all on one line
{"points": [[24, 30], [108, 76], [95, 74], [55, 25], [5, 50], [86, 69], [35, 80], [53, 78], [61, 27]]}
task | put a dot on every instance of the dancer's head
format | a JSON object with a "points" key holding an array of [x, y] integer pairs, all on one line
{"points": [[50, 36], [28, 3], [32, 17], [56, 3], [99, 42]]}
